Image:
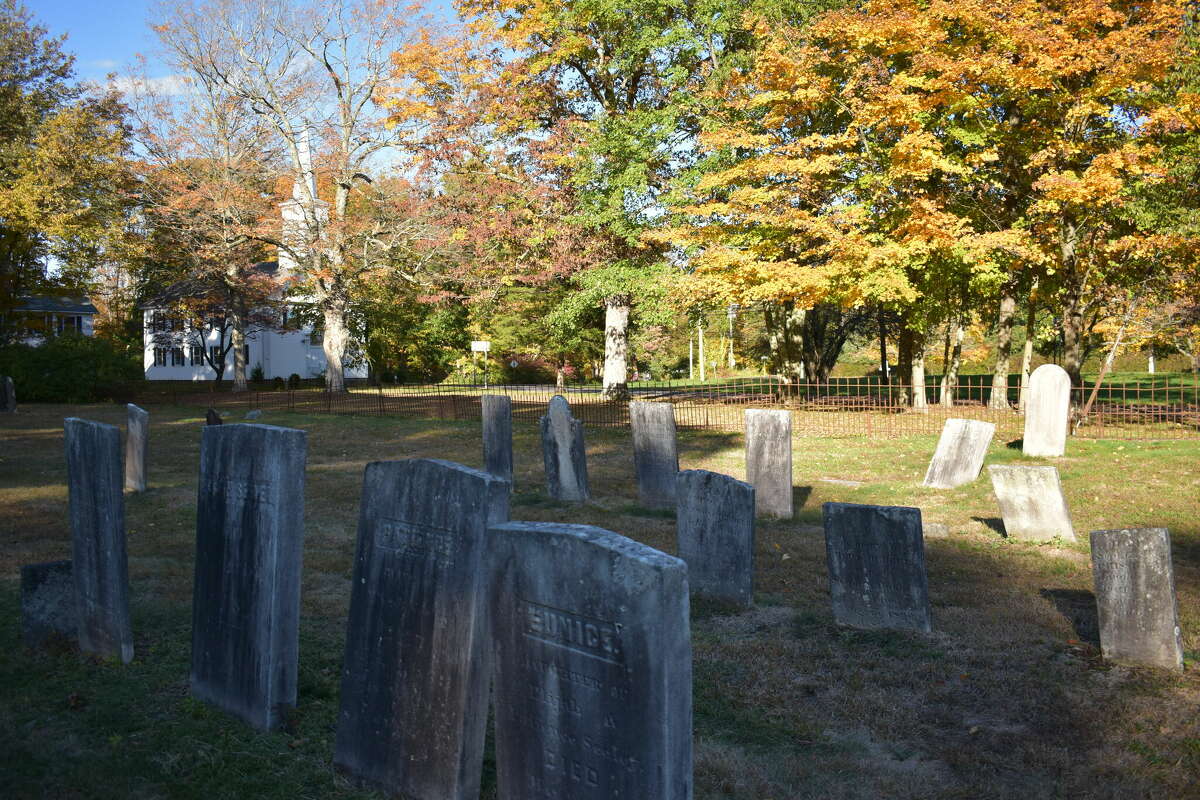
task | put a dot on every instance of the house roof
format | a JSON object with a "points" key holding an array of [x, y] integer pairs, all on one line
{"points": [[57, 305]]}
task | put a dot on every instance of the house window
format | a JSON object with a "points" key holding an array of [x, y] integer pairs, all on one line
{"points": [[160, 356], [68, 324], [215, 354], [159, 321], [316, 338], [197, 355], [176, 356]]}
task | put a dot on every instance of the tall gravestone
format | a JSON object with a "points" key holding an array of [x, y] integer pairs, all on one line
{"points": [[415, 677], [655, 456], [1135, 597], [47, 603], [137, 445], [99, 563], [8, 395], [497, 435], [593, 671], [960, 452], [563, 453], [1032, 503], [876, 558], [715, 526], [769, 461], [246, 599], [1047, 410]]}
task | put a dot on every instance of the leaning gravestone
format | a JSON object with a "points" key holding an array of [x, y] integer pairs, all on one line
{"points": [[563, 453], [1047, 412], [1135, 597], [876, 558], [593, 672], [769, 461], [960, 453], [417, 667], [715, 525], [497, 435], [1031, 502], [655, 457], [246, 600], [47, 603], [100, 565], [8, 395], [137, 441]]}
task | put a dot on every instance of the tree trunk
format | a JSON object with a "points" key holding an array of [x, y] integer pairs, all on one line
{"points": [[784, 325], [616, 348], [919, 402], [1072, 330], [1027, 351], [883, 362], [239, 356], [1004, 326], [950, 378], [337, 336], [904, 359], [560, 378], [700, 341]]}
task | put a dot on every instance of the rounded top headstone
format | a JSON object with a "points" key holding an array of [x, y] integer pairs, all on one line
{"points": [[1049, 374], [559, 405]]}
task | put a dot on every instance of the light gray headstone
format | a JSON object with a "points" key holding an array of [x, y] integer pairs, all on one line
{"points": [[1135, 597], [8, 395], [249, 542], [1031, 502], [497, 435], [100, 565], [47, 603], [876, 558], [769, 461], [715, 525], [255, 414], [1047, 410], [593, 670], [137, 444], [960, 453], [415, 677], [564, 453], [655, 457]]}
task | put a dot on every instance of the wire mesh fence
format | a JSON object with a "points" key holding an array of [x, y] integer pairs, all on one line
{"points": [[1158, 407]]}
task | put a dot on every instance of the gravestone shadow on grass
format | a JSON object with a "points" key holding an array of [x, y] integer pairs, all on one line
{"points": [[995, 523], [1015, 444], [1079, 608], [800, 496]]}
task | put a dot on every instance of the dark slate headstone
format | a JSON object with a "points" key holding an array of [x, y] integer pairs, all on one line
{"points": [[593, 671], [769, 461], [417, 667], [47, 603], [101, 571], [960, 453], [1135, 597], [8, 395], [137, 444], [246, 600], [213, 418], [715, 524], [655, 457], [497, 435], [1031, 502], [876, 558], [563, 453]]}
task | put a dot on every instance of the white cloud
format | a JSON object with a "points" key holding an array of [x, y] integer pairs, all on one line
{"points": [[164, 84]]}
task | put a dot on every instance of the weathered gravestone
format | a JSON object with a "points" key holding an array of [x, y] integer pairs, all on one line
{"points": [[563, 453], [769, 461], [1031, 502], [1047, 409], [47, 603], [593, 671], [876, 558], [100, 565], [8, 395], [715, 526], [960, 453], [497, 435], [1135, 597], [417, 667], [213, 418], [655, 457], [255, 414], [137, 442], [246, 598]]}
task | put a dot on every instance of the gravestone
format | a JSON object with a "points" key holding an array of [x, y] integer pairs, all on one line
{"points": [[593, 670], [255, 414], [246, 597], [1135, 597], [1047, 409], [960, 453], [563, 453], [415, 677], [137, 443], [715, 526], [655, 458], [497, 435], [8, 395], [876, 558], [769, 461], [47, 603], [1031, 502], [100, 566], [213, 418]]}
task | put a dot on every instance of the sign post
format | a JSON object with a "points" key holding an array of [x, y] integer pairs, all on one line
{"points": [[481, 346]]}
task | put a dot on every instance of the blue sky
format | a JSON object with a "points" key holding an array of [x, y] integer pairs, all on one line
{"points": [[104, 35]]}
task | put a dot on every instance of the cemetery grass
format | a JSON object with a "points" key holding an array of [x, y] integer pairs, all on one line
{"points": [[1008, 698]]}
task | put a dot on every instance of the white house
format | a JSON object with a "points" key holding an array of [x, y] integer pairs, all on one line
{"points": [[42, 315]]}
